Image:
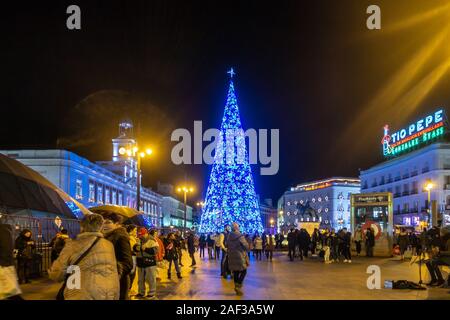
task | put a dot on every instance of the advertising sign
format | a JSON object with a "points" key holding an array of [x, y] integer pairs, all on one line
{"points": [[421, 132]]}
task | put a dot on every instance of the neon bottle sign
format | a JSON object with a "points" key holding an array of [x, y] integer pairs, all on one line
{"points": [[417, 133]]}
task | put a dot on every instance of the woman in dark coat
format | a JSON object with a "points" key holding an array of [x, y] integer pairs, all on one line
{"points": [[171, 254], [25, 249], [191, 248], [237, 248], [120, 238]]}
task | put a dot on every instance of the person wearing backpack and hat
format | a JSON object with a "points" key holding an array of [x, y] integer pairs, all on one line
{"points": [[146, 254]]}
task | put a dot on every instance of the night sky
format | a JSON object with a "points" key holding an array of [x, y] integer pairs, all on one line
{"points": [[311, 69]]}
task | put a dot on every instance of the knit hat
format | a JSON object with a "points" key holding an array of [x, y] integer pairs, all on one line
{"points": [[142, 232]]}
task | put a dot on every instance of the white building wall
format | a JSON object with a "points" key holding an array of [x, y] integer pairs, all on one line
{"points": [[409, 174]]}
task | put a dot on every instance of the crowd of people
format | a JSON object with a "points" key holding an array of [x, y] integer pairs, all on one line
{"points": [[118, 261], [332, 246]]}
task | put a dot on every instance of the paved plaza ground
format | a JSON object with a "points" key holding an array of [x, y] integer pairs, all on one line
{"points": [[279, 280]]}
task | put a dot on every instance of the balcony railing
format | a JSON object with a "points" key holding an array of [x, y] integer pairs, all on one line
{"points": [[424, 170], [414, 191], [397, 195], [414, 173], [398, 178], [405, 193], [389, 180], [405, 176]]}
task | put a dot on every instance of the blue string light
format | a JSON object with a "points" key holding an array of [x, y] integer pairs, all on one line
{"points": [[231, 193]]}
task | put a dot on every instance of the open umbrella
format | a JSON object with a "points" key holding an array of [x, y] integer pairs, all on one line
{"points": [[23, 188], [131, 215]]}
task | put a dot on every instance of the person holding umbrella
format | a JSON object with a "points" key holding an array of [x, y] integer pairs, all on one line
{"points": [[114, 232]]}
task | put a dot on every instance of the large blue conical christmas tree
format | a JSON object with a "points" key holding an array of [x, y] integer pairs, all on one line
{"points": [[231, 193]]}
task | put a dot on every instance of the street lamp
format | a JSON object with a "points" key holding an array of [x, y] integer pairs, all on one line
{"points": [[185, 190], [428, 187], [138, 155]]}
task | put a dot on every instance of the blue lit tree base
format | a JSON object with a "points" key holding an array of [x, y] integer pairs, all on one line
{"points": [[231, 194]]}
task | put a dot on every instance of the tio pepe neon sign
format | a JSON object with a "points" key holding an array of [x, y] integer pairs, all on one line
{"points": [[422, 131]]}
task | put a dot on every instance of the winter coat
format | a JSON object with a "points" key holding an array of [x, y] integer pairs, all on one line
{"points": [[6, 245], [121, 242], [270, 243], [292, 239], [370, 239], [358, 235], [191, 244], [99, 277], [258, 243], [25, 249], [147, 247], [171, 250], [161, 250], [403, 240], [237, 252]]}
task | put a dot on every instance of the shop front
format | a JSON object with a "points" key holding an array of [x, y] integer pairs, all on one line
{"points": [[375, 211]]}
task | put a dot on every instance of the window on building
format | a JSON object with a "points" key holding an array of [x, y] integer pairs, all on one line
{"points": [[99, 193], [406, 207], [382, 180], [114, 197], [107, 196], [120, 199], [79, 189], [91, 192]]}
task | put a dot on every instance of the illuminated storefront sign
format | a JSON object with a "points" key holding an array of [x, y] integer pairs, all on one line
{"points": [[418, 133]]}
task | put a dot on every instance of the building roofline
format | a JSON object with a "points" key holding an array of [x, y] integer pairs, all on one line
{"points": [[407, 156]]}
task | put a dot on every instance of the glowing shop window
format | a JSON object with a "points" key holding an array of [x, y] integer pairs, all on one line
{"points": [[79, 189], [407, 221], [416, 221]]}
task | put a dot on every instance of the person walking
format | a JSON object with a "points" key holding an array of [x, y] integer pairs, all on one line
{"points": [[291, 238], [238, 260], [357, 238], [223, 237], [146, 252], [180, 245], [258, 243], [202, 245], [25, 247], [315, 239], [210, 244], [403, 242], [370, 242], [217, 245], [334, 246], [172, 255], [270, 246], [346, 246], [191, 248], [95, 257], [117, 234], [250, 244]]}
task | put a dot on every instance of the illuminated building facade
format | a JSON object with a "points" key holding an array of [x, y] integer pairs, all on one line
{"points": [[329, 200], [406, 177], [417, 155], [93, 184]]}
